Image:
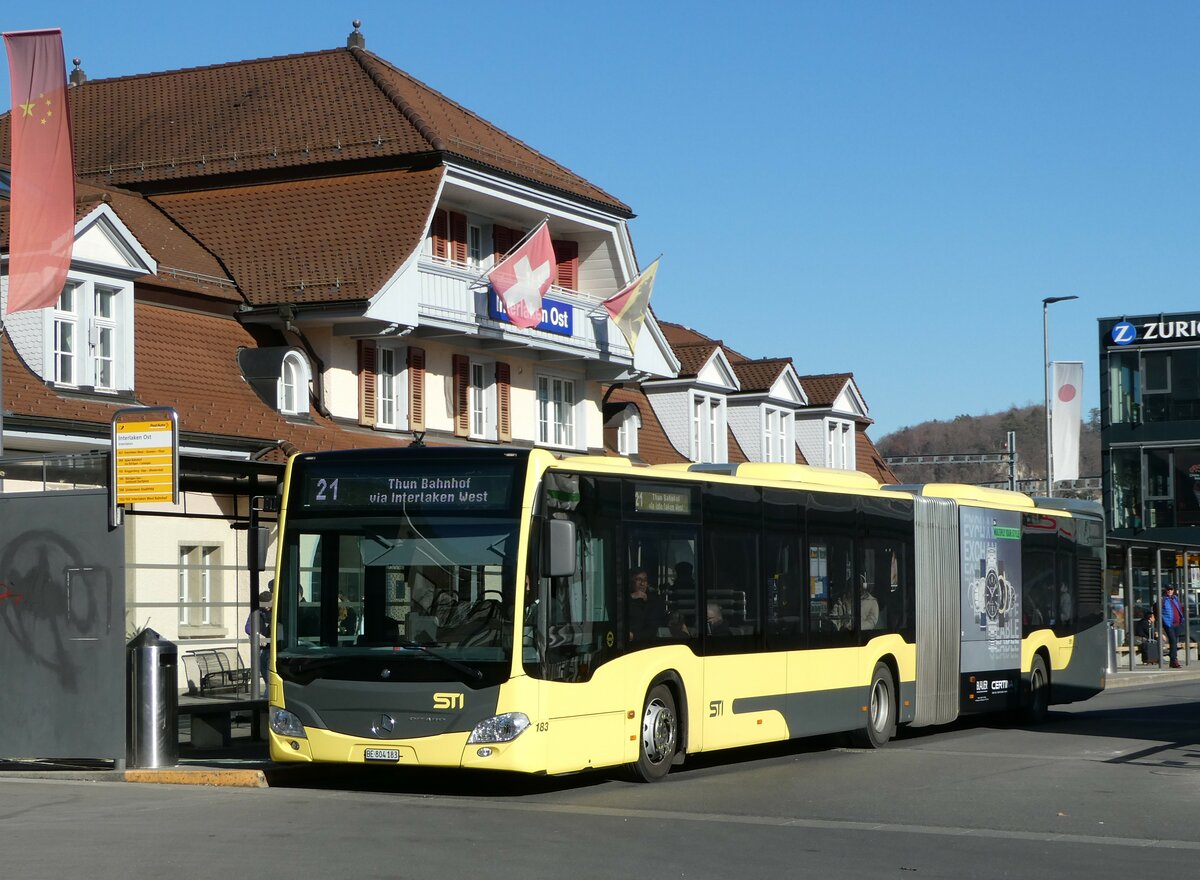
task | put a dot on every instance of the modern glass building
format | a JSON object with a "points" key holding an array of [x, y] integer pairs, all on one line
{"points": [[1150, 447]]}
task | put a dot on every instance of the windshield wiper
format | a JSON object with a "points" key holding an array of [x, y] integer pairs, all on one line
{"points": [[449, 661]]}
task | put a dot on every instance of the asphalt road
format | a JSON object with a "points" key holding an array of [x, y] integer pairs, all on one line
{"points": [[1108, 788]]}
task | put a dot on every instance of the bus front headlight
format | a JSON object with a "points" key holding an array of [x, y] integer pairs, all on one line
{"points": [[500, 728], [285, 723]]}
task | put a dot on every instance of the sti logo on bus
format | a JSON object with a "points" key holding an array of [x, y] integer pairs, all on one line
{"points": [[447, 701], [1124, 333]]}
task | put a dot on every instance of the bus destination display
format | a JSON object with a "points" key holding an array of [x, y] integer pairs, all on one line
{"points": [[398, 488]]}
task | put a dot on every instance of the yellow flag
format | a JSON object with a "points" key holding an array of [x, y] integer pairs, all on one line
{"points": [[628, 308]]}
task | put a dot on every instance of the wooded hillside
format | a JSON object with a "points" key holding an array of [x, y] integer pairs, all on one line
{"points": [[987, 433]]}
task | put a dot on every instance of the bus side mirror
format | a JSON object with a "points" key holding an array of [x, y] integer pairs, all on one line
{"points": [[259, 540], [560, 548]]}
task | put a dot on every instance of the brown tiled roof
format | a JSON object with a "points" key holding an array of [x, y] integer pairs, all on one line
{"points": [[692, 358], [678, 335], [760, 375], [868, 460], [289, 112], [458, 131], [653, 445], [823, 389], [315, 240], [182, 262], [188, 361], [736, 454]]}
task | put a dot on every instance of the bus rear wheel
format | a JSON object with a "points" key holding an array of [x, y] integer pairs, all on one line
{"points": [[659, 738], [1037, 699], [881, 711]]}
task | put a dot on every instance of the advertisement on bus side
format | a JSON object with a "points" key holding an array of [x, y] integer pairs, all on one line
{"points": [[991, 607]]}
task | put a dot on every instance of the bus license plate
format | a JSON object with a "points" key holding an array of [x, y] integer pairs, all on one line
{"points": [[381, 755]]}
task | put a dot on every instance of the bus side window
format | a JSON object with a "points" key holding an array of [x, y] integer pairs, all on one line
{"points": [[833, 604]]}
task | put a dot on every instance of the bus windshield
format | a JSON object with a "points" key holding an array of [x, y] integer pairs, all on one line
{"points": [[426, 587]]}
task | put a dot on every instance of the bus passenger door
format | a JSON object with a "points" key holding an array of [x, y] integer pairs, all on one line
{"points": [[744, 685], [574, 619]]}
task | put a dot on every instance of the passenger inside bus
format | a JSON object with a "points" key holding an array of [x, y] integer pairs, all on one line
{"points": [[646, 613], [716, 621], [869, 606]]}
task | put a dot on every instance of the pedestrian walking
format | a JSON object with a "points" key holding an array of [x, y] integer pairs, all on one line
{"points": [[1172, 617]]}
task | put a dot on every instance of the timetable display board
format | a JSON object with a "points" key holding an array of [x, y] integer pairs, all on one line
{"points": [[145, 443]]}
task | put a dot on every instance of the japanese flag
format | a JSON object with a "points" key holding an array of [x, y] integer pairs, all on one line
{"points": [[524, 276], [1066, 418]]}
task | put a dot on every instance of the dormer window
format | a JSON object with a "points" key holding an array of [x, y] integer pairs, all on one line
{"points": [[708, 428], [88, 335], [839, 444], [779, 436], [293, 385], [627, 432]]}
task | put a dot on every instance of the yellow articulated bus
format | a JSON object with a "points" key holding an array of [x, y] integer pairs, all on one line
{"points": [[522, 611]]}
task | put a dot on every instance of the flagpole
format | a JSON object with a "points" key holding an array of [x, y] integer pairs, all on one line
{"points": [[528, 235]]}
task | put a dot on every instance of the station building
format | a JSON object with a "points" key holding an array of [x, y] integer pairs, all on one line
{"points": [[291, 253]]}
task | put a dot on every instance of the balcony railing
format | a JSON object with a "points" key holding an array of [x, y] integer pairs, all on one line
{"points": [[454, 293]]}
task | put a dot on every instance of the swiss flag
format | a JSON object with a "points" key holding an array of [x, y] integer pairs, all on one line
{"points": [[524, 276]]}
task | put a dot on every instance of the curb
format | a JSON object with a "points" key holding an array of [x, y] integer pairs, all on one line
{"points": [[1147, 678], [205, 776]]}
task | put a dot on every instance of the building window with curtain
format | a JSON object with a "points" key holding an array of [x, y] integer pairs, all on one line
{"points": [[89, 335], [391, 387], [200, 592], [556, 398]]}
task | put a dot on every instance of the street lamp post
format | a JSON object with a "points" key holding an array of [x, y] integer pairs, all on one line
{"points": [[1046, 303]]}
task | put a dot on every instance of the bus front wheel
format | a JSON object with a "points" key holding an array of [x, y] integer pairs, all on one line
{"points": [[659, 737], [881, 711]]}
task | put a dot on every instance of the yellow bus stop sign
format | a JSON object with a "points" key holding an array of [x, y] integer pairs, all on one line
{"points": [[145, 455]]}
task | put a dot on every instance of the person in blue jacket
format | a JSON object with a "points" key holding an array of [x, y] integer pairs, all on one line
{"points": [[1172, 617]]}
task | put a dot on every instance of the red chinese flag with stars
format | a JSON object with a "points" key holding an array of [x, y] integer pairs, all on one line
{"points": [[42, 219], [522, 278], [1066, 416]]}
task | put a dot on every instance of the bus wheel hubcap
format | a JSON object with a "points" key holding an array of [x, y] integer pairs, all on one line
{"points": [[879, 706], [658, 732]]}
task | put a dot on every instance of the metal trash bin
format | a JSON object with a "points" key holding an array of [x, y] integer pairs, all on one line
{"points": [[152, 701]]}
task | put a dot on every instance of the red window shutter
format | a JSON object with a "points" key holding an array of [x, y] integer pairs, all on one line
{"points": [[416, 389], [462, 389], [503, 402], [366, 382], [458, 237], [441, 233], [566, 258], [503, 240]]}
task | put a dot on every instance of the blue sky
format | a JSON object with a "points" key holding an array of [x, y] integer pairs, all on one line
{"points": [[887, 188]]}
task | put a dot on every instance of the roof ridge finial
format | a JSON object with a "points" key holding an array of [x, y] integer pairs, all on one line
{"points": [[356, 40], [77, 75]]}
